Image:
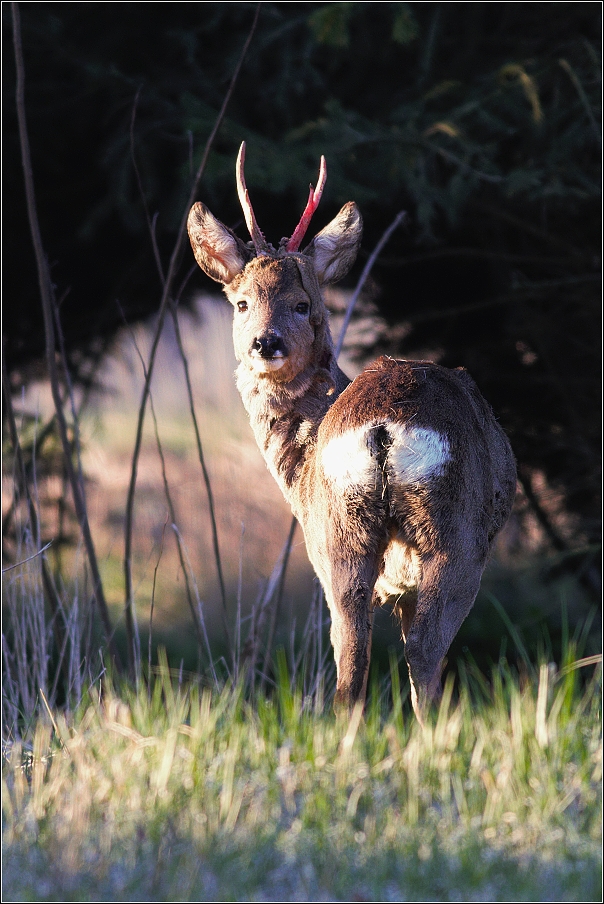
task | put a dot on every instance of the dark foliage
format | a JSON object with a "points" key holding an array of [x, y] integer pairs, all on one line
{"points": [[480, 119]]}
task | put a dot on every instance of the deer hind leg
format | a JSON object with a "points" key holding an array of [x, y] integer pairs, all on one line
{"points": [[349, 596], [446, 593]]}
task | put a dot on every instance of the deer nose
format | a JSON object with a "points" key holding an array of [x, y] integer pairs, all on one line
{"points": [[269, 346]]}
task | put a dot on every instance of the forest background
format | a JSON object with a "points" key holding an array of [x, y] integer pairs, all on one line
{"points": [[480, 120]]}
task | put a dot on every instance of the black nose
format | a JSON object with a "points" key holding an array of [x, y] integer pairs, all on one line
{"points": [[268, 346]]}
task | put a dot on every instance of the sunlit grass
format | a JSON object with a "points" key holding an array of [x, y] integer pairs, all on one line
{"points": [[186, 794]]}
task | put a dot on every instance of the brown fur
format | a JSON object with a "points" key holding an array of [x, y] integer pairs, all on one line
{"points": [[400, 479]]}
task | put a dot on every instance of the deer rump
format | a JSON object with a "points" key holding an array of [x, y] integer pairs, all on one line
{"points": [[400, 479]]}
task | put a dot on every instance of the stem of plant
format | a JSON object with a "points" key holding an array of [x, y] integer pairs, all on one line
{"points": [[46, 295]]}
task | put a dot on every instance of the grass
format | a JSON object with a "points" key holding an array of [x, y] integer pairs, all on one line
{"points": [[182, 793]]}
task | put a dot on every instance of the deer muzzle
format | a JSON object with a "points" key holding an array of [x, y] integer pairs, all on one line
{"points": [[268, 353]]}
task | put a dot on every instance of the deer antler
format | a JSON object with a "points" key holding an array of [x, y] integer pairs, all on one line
{"points": [[311, 205], [260, 243]]}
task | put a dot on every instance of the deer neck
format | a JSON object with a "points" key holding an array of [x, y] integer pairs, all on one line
{"points": [[285, 417]]}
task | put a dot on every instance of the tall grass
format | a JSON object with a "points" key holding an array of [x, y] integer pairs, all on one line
{"points": [[51, 654], [188, 793]]}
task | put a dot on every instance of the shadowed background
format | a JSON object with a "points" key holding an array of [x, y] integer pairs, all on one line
{"points": [[480, 120]]}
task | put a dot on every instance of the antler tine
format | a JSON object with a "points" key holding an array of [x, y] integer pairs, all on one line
{"points": [[311, 205], [260, 243]]}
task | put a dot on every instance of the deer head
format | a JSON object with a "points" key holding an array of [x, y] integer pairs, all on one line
{"points": [[280, 323]]}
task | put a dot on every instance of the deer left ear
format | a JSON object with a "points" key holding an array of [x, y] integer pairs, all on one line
{"points": [[218, 251], [334, 250]]}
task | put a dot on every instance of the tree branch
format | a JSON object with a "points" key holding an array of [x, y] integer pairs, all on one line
{"points": [[46, 295], [167, 288], [399, 218]]}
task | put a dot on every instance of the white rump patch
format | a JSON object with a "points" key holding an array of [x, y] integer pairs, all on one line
{"points": [[347, 461], [416, 453], [415, 456]]}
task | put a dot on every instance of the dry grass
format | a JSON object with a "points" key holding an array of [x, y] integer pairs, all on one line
{"points": [[189, 795]]}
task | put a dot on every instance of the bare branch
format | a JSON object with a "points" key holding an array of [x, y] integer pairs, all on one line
{"points": [[278, 598], [150, 223], [206, 477], [161, 550], [167, 288], [28, 559], [399, 218], [46, 295], [171, 513], [584, 99]]}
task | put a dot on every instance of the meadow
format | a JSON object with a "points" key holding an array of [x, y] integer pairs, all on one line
{"points": [[210, 777], [176, 792]]}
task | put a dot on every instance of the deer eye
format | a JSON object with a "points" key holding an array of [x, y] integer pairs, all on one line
{"points": [[242, 306], [302, 308]]}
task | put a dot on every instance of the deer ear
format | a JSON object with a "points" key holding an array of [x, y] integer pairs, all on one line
{"points": [[334, 249], [218, 251]]}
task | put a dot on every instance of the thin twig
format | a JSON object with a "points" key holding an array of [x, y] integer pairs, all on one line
{"points": [[150, 223], [199, 619], [496, 210], [52, 719], [28, 559], [167, 288], [46, 294], [583, 97], [453, 158], [20, 478], [69, 390], [524, 476], [161, 550], [399, 218], [206, 477], [251, 647], [278, 598], [237, 641], [171, 510]]}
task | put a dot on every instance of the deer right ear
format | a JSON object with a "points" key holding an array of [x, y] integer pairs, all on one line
{"points": [[218, 251], [334, 250]]}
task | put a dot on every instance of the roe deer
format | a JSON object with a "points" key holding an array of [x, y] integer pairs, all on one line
{"points": [[400, 479]]}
